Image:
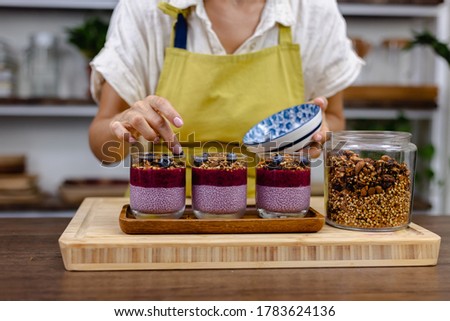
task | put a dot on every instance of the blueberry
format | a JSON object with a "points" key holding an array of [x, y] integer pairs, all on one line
{"points": [[273, 165], [231, 157], [205, 157], [275, 162], [165, 161], [147, 157], [277, 159], [198, 161], [179, 155], [305, 161]]}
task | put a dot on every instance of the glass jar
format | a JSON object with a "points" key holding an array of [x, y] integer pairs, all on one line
{"points": [[43, 65], [8, 71], [369, 180], [283, 185], [398, 62], [157, 185], [219, 185]]}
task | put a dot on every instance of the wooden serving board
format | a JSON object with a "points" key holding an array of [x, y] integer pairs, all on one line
{"points": [[93, 240]]}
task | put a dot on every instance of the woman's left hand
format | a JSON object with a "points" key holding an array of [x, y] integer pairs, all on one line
{"points": [[320, 136], [315, 146], [332, 119]]}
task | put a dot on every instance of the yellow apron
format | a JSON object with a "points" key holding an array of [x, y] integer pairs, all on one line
{"points": [[221, 97]]}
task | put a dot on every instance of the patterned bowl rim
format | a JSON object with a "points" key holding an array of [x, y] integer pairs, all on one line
{"points": [[291, 131]]}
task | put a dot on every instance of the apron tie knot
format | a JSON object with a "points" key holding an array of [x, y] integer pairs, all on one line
{"points": [[172, 11]]}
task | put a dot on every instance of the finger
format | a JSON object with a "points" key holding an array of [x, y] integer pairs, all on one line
{"points": [[175, 146], [314, 152], [121, 132], [318, 137], [313, 149], [139, 123], [171, 139], [322, 102], [159, 124], [163, 106]]}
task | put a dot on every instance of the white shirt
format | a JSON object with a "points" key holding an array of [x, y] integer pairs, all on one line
{"points": [[133, 56]]}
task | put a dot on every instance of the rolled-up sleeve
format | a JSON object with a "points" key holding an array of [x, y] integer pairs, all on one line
{"points": [[332, 64], [124, 60]]}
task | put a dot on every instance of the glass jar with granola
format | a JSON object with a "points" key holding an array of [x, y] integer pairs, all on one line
{"points": [[369, 180]]}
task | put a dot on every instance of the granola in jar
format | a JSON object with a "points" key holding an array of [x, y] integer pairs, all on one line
{"points": [[371, 189]]}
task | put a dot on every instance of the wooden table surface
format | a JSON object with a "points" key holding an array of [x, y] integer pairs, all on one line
{"points": [[32, 269]]}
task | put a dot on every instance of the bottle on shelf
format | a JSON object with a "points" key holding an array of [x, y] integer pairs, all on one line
{"points": [[43, 61], [8, 71]]}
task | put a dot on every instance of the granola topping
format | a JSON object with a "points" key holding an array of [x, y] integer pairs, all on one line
{"points": [[149, 161], [219, 161], [285, 161]]}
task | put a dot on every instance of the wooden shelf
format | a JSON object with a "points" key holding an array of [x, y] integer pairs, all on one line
{"points": [[386, 10], [46, 107], [418, 98], [45, 101], [60, 4], [48, 111]]}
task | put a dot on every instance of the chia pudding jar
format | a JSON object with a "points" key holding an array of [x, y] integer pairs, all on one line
{"points": [[369, 180], [157, 185], [219, 185], [283, 185]]}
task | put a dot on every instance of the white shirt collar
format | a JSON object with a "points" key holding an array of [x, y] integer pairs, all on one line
{"points": [[183, 4], [276, 11], [282, 12]]}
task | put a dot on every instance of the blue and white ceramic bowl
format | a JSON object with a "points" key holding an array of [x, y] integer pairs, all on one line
{"points": [[288, 130]]}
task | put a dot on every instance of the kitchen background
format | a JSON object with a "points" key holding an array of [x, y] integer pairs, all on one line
{"points": [[46, 166]]}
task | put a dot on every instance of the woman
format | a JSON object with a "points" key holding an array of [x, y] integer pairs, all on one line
{"points": [[225, 65]]}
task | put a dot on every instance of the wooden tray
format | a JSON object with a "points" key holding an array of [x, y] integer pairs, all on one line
{"points": [[93, 240], [250, 223]]}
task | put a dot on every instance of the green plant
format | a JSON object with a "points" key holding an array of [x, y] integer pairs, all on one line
{"points": [[89, 37], [426, 38]]}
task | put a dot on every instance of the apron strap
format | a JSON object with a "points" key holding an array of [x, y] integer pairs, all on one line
{"points": [[284, 34], [179, 34], [181, 30]]}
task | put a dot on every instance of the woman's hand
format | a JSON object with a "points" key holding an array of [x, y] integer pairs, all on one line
{"points": [[332, 119], [151, 119], [321, 135]]}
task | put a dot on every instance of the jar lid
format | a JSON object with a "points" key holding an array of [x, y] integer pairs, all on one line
{"points": [[44, 39]]}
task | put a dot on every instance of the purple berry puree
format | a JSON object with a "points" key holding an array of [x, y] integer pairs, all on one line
{"points": [[283, 199], [161, 177], [219, 177], [283, 177], [157, 200], [210, 199]]}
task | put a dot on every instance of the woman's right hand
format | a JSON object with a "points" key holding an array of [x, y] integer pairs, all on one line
{"points": [[151, 119]]}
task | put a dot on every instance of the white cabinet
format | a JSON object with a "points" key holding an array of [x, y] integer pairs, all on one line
{"points": [[377, 21], [53, 135]]}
